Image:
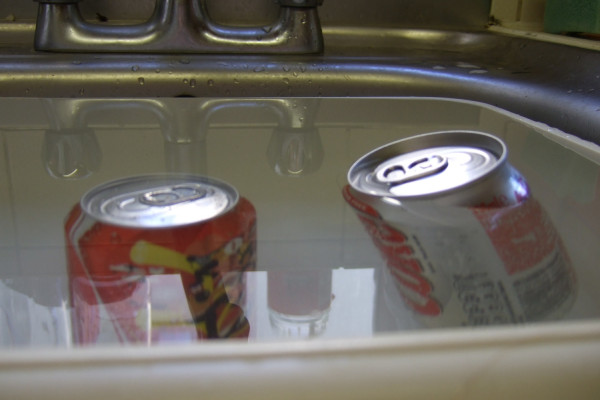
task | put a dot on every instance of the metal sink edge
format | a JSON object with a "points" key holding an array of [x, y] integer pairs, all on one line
{"points": [[555, 84]]}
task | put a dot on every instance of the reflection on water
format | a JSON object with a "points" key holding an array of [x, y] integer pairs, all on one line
{"points": [[34, 311], [315, 272], [71, 150]]}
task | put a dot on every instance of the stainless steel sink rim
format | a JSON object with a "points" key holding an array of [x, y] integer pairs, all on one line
{"points": [[554, 84]]}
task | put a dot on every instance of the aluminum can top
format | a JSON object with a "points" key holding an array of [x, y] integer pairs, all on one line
{"points": [[159, 201], [428, 165]]}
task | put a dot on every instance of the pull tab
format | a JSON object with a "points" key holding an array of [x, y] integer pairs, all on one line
{"points": [[172, 195], [396, 172]]}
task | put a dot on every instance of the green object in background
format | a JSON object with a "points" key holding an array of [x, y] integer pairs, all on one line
{"points": [[569, 16]]}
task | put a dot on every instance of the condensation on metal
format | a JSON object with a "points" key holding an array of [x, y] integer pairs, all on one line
{"points": [[159, 201]]}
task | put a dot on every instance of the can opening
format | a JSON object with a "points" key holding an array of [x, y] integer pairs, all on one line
{"points": [[172, 195], [399, 170], [159, 201], [429, 165]]}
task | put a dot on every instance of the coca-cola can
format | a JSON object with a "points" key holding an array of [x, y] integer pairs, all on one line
{"points": [[464, 241], [124, 235]]}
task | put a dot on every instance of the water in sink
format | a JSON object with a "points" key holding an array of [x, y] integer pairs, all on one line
{"points": [[289, 158]]}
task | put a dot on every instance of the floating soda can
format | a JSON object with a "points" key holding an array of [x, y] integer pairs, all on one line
{"points": [[464, 241], [127, 238]]}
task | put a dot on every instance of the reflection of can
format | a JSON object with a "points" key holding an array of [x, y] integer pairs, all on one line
{"points": [[126, 231], [464, 242]]}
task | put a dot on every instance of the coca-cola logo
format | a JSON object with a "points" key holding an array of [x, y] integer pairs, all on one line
{"points": [[400, 256]]}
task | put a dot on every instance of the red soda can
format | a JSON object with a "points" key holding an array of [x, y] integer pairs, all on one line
{"points": [[464, 241], [125, 233]]}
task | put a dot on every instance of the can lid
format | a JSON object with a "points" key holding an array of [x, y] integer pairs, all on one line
{"points": [[427, 165], [159, 201]]}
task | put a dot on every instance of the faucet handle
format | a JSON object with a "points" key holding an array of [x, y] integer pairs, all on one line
{"points": [[178, 26], [300, 3]]}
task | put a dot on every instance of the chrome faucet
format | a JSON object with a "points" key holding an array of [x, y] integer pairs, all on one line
{"points": [[178, 26]]}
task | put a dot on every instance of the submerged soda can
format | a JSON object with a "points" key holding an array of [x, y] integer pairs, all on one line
{"points": [[125, 234], [463, 240]]}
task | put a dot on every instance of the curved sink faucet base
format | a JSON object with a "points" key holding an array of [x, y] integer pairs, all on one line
{"points": [[178, 26]]}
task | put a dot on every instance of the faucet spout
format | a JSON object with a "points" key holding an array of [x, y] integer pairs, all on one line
{"points": [[178, 26]]}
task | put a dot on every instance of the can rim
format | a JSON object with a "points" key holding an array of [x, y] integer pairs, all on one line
{"points": [[149, 181], [474, 138]]}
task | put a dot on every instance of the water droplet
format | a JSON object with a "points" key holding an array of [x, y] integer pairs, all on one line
{"points": [[76, 62], [303, 21], [259, 69], [267, 29], [186, 81], [135, 68], [210, 82], [439, 67], [286, 81], [286, 68], [141, 81], [192, 83], [81, 91], [157, 70], [466, 65], [478, 71], [185, 61], [236, 81]]}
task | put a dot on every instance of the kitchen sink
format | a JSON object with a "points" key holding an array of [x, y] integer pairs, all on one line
{"points": [[319, 294], [284, 129]]}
